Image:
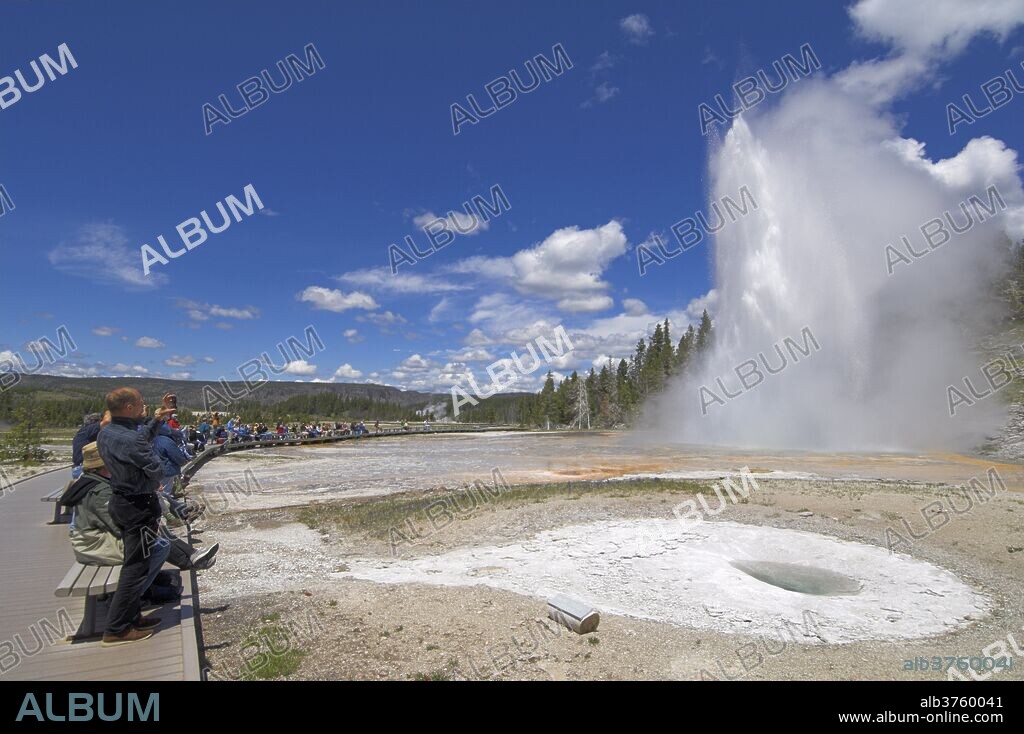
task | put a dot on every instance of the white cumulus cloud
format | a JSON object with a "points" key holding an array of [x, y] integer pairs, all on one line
{"points": [[300, 367], [921, 34], [330, 299], [347, 372]]}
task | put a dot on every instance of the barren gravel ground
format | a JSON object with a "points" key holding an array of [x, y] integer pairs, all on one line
{"points": [[269, 607], [17, 472]]}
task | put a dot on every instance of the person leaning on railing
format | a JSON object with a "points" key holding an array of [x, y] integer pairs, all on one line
{"points": [[166, 447]]}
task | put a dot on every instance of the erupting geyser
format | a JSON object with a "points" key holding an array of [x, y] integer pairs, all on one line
{"points": [[840, 196]]}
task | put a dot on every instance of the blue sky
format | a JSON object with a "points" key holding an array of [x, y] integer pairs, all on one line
{"points": [[358, 156]]}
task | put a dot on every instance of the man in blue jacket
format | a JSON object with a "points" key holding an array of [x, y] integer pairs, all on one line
{"points": [[126, 446]]}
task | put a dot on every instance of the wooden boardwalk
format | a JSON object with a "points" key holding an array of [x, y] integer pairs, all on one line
{"points": [[34, 556]]}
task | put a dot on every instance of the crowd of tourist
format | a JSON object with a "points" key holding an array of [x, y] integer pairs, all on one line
{"points": [[214, 429]]}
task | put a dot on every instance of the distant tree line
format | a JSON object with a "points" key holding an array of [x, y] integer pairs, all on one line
{"points": [[320, 407], [47, 409], [1012, 287], [67, 412], [615, 393]]}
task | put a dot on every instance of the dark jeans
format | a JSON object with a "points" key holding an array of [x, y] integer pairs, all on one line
{"points": [[137, 516], [181, 552]]}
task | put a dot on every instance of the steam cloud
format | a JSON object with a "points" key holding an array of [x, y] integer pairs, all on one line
{"points": [[835, 184]]}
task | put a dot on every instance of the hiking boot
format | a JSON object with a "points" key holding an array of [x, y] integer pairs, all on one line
{"points": [[202, 560], [132, 634]]}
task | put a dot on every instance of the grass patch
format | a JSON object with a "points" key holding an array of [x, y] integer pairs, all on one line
{"points": [[270, 638], [375, 517]]}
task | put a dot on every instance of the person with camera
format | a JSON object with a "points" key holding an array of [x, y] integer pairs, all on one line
{"points": [[126, 447]]}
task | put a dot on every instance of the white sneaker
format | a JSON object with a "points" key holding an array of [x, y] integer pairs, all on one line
{"points": [[202, 560]]}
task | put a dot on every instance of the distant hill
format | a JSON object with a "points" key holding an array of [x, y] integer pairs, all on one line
{"points": [[62, 401], [190, 392]]}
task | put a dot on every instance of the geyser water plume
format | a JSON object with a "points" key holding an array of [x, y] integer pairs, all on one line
{"points": [[835, 184]]}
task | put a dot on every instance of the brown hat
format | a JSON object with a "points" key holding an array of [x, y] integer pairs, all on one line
{"points": [[91, 456]]}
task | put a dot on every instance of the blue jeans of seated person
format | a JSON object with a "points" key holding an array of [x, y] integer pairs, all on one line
{"points": [[76, 471], [167, 490]]}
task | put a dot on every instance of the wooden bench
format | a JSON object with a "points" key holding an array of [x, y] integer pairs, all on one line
{"points": [[60, 516], [96, 584]]}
